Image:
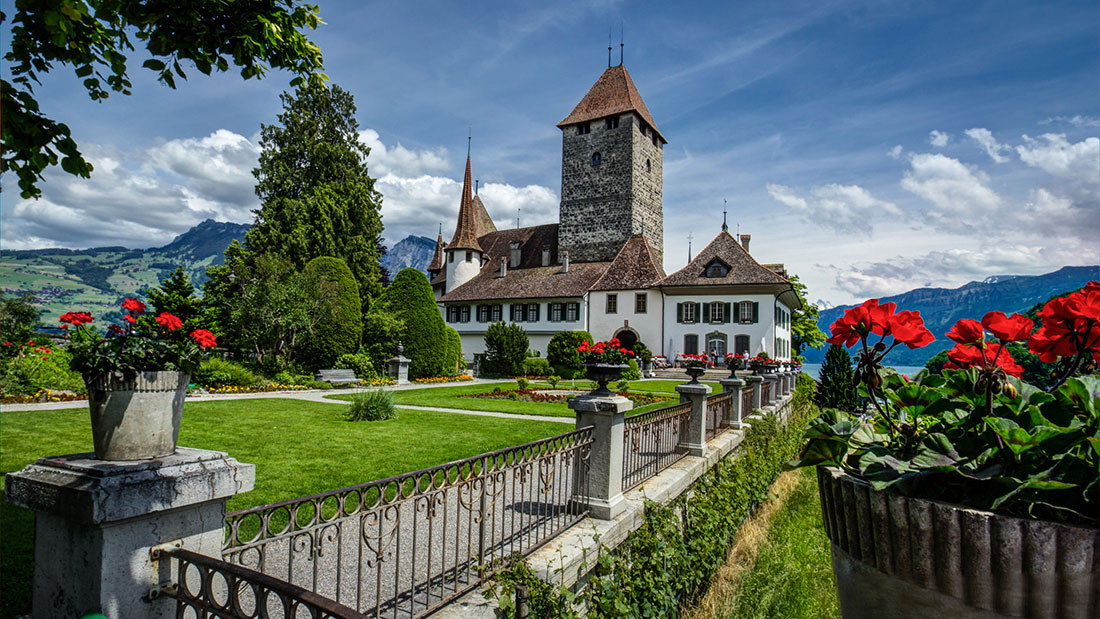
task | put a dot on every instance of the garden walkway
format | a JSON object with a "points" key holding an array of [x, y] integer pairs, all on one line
{"points": [[318, 396]]}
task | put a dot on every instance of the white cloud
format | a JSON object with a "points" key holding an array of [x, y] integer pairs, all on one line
{"points": [[1076, 120], [401, 161], [939, 139], [1054, 154], [894, 152], [843, 207], [960, 195], [992, 147]]}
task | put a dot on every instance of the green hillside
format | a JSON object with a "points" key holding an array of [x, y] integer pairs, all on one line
{"points": [[95, 280]]}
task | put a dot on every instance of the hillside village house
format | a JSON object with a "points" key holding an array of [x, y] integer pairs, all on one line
{"points": [[600, 268]]}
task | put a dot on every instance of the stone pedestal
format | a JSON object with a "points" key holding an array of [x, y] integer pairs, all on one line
{"points": [[774, 391], [607, 416], [734, 386], [757, 383], [96, 521], [696, 439], [399, 369]]}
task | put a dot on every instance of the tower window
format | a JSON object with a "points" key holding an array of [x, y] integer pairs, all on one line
{"points": [[584, 129], [596, 159], [469, 255], [612, 123], [450, 256], [648, 167], [654, 136]]}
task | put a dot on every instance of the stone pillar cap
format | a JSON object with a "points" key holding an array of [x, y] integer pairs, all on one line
{"points": [[601, 404], [81, 488], [690, 389]]}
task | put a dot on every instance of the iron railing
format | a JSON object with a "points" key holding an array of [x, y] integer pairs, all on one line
{"points": [[746, 402], [653, 441], [207, 587], [719, 414], [405, 545]]}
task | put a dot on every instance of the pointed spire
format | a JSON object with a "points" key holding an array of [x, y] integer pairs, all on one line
{"points": [[725, 228], [436, 265], [466, 231]]}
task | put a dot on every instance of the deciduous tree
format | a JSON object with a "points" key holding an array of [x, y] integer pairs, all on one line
{"points": [[804, 330]]}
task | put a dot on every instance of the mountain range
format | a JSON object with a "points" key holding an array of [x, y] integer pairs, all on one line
{"points": [[942, 307]]}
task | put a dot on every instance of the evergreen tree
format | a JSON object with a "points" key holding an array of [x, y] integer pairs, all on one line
{"points": [[505, 348], [176, 296], [424, 335], [835, 385], [331, 278], [316, 196]]}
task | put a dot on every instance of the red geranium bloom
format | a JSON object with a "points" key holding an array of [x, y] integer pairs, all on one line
{"points": [[204, 338], [130, 319], [30, 342], [133, 305], [168, 321], [967, 331], [114, 329], [858, 322], [1014, 328], [908, 328], [76, 318], [1070, 324], [983, 355], [8, 344]]}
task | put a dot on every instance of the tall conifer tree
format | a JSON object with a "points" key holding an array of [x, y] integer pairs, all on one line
{"points": [[836, 387]]}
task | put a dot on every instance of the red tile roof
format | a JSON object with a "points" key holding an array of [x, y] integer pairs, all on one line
{"points": [[437, 258], [466, 231], [484, 223], [614, 93], [633, 268], [743, 269]]}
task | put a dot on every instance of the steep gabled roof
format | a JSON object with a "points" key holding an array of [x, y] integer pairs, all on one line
{"points": [[466, 231], [633, 268], [743, 268], [437, 258], [613, 93], [484, 223]]}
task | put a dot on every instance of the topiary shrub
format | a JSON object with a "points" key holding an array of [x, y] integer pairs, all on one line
{"points": [[219, 372], [454, 352], [359, 362], [371, 405], [331, 278], [536, 367], [505, 349], [553, 379], [562, 352], [522, 383], [424, 334], [632, 372], [836, 387]]}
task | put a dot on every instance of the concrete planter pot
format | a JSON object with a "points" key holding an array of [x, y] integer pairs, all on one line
{"points": [[603, 373], [908, 558], [695, 373], [138, 417]]}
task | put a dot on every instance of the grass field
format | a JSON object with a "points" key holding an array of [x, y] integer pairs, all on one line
{"points": [[298, 447], [447, 397]]}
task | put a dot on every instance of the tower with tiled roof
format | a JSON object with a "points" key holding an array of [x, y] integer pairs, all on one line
{"points": [[463, 253], [611, 177], [436, 265]]}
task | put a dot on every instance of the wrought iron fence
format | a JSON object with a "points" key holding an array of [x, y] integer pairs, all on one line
{"points": [[719, 414], [652, 442], [746, 402], [207, 587], [405, 545]]}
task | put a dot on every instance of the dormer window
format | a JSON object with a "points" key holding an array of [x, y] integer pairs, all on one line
{"points": [[584, 129], [596, 159], [717, 269]]}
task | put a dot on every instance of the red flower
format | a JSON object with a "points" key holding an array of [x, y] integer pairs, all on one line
{"points": [[1014, 328], [130, 319], [8, 344], [30, 342], [204, 338], [114, 329], [1071, 324], [614, 342], [630, 352], [967, 331], [169, 321], [984, 355], [908, 328], [76, 318], [133, 305], [859, 322]]}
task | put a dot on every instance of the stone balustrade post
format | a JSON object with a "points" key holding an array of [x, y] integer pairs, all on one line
{"points": [[696, 439], [792, 379], [734, 386], [774, 380], [757, 391], [607, 416], [96, 522], [784, 382]]}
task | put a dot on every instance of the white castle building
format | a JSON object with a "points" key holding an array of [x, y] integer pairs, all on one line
{"points": [[600, 269]]}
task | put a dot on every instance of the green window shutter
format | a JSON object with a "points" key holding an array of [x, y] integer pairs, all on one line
{"points": [[698, 312], [679, 312], [755, 312], [727, 312], [705, 317]]}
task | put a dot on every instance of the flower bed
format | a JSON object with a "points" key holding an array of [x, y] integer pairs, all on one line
{"points": [[555, 396], [436, 379], [43, 395]]}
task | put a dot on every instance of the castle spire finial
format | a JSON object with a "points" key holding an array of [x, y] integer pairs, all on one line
{"points": [[609, 48], [621, 43], [469, 138], [689, 246], [725, 228]]}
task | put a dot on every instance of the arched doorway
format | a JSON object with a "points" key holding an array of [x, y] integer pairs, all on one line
{"points": [[627, 338], [716, 344]]}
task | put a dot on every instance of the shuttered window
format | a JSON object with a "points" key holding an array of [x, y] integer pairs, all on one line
{"points": [[532, 312], [572, 312], [555, 312]]}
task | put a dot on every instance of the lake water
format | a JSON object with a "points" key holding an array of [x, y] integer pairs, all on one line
{"points": [[814, 369]]}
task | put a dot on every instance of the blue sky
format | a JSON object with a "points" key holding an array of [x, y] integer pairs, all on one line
{"points": [[872, 147]]}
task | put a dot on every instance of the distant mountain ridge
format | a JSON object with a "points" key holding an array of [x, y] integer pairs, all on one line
{"points": [[942, 307], [412, 251]]}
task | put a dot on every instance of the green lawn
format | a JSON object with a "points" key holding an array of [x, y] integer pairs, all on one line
{"points": [[792, 576], [447, 397], [298, 447]]}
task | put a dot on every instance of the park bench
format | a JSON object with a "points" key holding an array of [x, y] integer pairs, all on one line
{"points": [[337, 376]]}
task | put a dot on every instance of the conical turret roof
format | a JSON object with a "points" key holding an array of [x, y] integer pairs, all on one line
{"points": [[466, 231], [436, 264], [614, 93]]}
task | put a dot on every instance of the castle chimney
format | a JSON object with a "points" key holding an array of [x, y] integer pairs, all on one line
{"points": [[564, 262], [503, 267], [546, 257], [745, 238]]}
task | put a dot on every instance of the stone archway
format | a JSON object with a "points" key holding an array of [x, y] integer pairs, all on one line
{"points": [[627, 337]]}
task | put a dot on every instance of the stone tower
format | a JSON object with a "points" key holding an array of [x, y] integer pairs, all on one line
{"points": [[463, 253], [611, 171]]}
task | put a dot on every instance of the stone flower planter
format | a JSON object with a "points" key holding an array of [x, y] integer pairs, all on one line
{"points": [[603, 373], [695, 373], [908, 558], [136, 418]]}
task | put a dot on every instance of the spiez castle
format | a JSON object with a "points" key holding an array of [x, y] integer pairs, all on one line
{"points": [[600, 269]]}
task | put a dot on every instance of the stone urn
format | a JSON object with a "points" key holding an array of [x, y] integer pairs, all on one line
{"points": [[136, 417], [695, 372], [603, 373], [909, 558]]}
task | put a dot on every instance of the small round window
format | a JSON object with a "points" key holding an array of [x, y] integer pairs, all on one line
{"points": [[648, 168], [596, 160]]}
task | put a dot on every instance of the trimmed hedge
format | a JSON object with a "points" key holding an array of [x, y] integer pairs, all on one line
{"points": [[219, 372], [454, 351], [331, 339], [562, 353], [424, 335], [533, 366]]}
